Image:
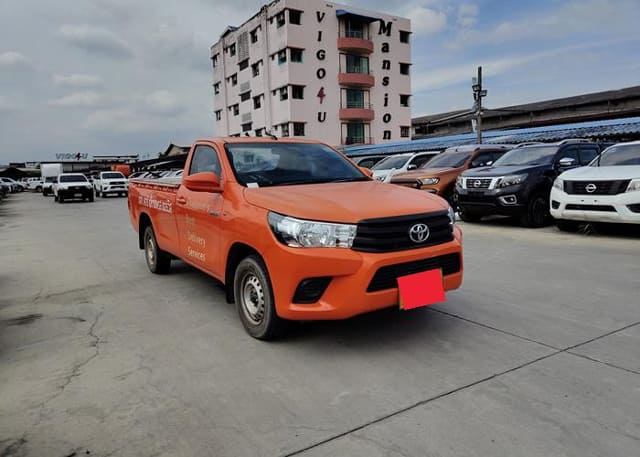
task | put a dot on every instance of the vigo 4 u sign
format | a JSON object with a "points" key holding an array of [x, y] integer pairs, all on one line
{"points": [[72, 156]]}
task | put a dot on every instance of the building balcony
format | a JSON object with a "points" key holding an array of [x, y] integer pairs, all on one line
{"points": [[351, 140], [354, 44], [357, 113], [356, 79]]}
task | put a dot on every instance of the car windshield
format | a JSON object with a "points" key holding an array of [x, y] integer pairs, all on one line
{"points": [[112, 176], [618, 155], [528, 155], [73, 178], [453, 159], [392, 162], [280, 164]]}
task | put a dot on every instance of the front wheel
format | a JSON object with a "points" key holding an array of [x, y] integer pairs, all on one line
{"points": [[536, 214], [567, 226], [468, 216], [158, 261], [254, 300]]}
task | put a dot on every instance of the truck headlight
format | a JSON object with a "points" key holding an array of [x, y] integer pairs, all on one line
{"points": [[558, 184], [452, 216], [459, 181], [634, 186], [300, 233], [512, 180], [429, 181]]}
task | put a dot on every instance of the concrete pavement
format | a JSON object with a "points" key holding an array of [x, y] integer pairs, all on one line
{"points": [[536, 355]]}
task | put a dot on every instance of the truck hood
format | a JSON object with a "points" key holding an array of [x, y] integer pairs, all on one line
{"points": [[423, 173], [603, 173], [344, 202], [490, 172]]}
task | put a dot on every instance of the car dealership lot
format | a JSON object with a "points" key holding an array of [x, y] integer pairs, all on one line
{"points": [[536, 354]]}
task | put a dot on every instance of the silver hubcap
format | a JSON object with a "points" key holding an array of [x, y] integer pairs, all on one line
{"points": [[151, 255], [252, 296]]}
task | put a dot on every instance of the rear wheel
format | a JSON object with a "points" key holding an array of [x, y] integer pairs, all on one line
{"points": [[567, 226], [158, 261], [537, 212], [39, 189], [254, 300]]}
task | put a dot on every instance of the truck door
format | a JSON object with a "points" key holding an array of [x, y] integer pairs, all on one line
{"points": [[198, 216]]}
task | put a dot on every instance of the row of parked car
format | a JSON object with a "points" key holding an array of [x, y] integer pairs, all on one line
{"points": [[571, 181]]}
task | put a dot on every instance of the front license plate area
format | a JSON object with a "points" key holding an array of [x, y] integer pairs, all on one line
{"points": [[421, 289], [77, 194]]}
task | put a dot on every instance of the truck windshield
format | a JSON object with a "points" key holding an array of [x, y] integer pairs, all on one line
{"points": [[448, 160], [278, 164], [72, 178], [392, 162], [112, 176], [528, 155], [618, 155]]}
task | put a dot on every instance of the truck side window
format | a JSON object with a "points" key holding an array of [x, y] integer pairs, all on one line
{"points": [[570, 152], [204, 159], [482, 160], [419, 160], [587, 154]]}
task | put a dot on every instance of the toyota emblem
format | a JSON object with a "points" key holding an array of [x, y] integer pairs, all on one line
{"points": [[419, 233], [591, 188]]}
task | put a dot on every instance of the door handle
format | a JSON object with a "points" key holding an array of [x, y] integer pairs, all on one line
{"points": [[181, 201]]}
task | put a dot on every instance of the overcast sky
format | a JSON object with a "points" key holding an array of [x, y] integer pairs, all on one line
{"points": [[130, 76]]}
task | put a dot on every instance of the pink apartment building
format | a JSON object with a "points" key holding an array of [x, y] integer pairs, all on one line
{"points": [[315, 69]]}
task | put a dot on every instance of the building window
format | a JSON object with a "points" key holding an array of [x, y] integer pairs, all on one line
{"points": [[258, 132], [357, 64], [404, 36], [232, 50], [257, 102], [216, 88], [355, 29], [405, 132], [284, 93], [355, 98], [298, 129], [296, 55], [245, 96], [254, 35], [255, 68], [282, 56], [219, 115], [280, 19], [234, 79], [246, 127], [244, 64], [285, 129], [297, 92], [404, 68], [295, 17], [404, 100], [355, 133], [214, 61], [236, 109]]}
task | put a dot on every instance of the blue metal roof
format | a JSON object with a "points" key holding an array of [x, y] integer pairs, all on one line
{"points": [[593, 129]]}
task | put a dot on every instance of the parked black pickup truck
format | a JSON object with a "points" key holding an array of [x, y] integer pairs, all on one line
{"points": [[519, 183]]}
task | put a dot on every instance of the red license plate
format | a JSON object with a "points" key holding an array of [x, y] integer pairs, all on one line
{"points": [[421, 289]]}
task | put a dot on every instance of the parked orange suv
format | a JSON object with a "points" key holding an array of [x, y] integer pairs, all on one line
{"points": [[438, 175]]}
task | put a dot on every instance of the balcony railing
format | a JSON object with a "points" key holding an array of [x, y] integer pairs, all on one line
{"points": [[357, 140], [356, 104]]}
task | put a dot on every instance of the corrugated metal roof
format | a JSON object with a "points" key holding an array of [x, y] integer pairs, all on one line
{"points": [[595, 129]]}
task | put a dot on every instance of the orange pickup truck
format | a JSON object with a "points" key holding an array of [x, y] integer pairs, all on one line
{"points": [[293, 229]]}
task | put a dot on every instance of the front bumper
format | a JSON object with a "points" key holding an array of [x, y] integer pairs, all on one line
{"points": [[75, 193], [351, 275], [507, 201], [115, 189], [596, 208]]}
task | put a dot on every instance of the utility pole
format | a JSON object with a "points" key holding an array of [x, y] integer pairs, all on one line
{"points": [[478, 94]]}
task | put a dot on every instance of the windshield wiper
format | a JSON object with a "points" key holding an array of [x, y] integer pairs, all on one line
{"points": [[353, 179]]}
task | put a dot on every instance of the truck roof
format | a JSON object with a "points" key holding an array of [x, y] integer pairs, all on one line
{"points": [[255, 139]]}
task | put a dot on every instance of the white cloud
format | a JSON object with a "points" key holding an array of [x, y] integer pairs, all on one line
{"points": [[78, 80], [426, 21], [7, 105], [85, 99], [468, 14], [96, 40], [12, 60], [163, 102]]}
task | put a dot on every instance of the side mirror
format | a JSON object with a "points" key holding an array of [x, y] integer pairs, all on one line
{"points": [[203, 182], [412, 167], [366, 171], [566, 162]]}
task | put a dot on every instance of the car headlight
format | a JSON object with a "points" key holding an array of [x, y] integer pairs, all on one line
{"points": [[452, 215], [459, 181], [558, 184], [634, 186], [429, 181], [311, 234], [512, 180]]}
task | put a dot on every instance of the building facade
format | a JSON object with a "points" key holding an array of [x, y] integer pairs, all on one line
{"points": [[314, 69]]}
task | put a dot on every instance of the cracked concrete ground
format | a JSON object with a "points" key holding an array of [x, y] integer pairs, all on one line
{"points": [[538, 354]]}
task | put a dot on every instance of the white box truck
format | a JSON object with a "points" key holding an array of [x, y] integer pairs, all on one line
{"points": [[49, 173]]}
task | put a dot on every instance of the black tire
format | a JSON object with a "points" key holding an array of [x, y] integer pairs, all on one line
{"points": [[55, 198], [60, 199], [536, 214], [39, 189], [468, 216], [91, 198], [567, 226], [158, 261], [253, 295], [451, 197]]}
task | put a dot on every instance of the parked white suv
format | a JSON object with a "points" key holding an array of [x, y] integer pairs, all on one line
{"points": [[399, 163], [111, 182], [34, 184], [13, 184], [69, 186], [607, 190]]}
